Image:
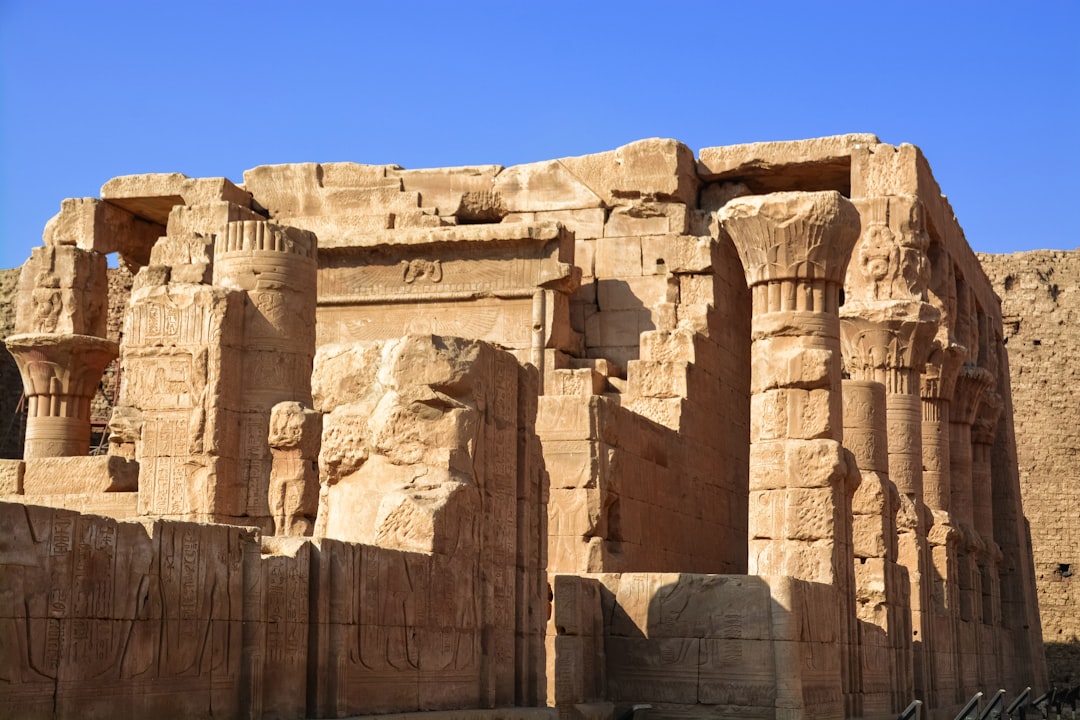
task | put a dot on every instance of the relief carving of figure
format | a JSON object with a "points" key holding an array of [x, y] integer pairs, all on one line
{"points": [[294, 437], [414, 270], [47, 303], [879, 259]]}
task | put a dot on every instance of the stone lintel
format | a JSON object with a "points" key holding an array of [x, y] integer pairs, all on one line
{"points": [[813, 164], [152, 196]]}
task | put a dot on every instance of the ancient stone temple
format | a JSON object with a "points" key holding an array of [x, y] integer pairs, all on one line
{"points": [[728, 435]]}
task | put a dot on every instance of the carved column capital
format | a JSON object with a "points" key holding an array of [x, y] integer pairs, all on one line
{"points": [[887, 341], [60, 374], [984, 428], [942, 368], [795, 242], [971, 383]]}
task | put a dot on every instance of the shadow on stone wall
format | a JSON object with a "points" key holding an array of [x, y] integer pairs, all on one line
{"points": [[12, 422], [1063, 663]]}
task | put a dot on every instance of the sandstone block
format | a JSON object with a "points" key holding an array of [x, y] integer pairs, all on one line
{"points": [[786, 362], [11, 477], [798, 463], [618, 257], [674, 253], [635, 292], [543, 186], [63, 289], [98, 473], [583, 381], [656, 168], [801, 158], [646, 219]]}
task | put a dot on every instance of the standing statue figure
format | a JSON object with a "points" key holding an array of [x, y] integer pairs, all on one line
{"points": [[295, 437]]}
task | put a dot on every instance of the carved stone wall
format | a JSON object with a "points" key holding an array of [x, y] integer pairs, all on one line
{"points": [[629, 375]]}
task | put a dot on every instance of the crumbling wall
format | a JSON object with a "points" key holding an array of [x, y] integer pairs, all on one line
{"points": [[1040, 310]]}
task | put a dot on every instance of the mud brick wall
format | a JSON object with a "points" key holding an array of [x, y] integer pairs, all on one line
{"points": [[1040, 309]]}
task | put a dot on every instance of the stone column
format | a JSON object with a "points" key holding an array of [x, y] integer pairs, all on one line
{"points": [[59, 346], [888, 328], [275, 266], [886, 342], [938, 385], [794, 249], [970, 385], [881, 586]]}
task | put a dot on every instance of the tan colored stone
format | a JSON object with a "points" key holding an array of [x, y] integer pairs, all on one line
{"points": [[653, 169], [63, 475], [801, 160], [518, 435], [11, 477]]}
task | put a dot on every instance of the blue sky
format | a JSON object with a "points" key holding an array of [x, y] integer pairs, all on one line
{"points": [[88, 91]]}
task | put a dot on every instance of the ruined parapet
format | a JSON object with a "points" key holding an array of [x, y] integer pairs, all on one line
{"points": [[428, 446]]}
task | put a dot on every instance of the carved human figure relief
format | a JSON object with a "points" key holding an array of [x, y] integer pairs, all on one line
{"points": [[879, 259]]}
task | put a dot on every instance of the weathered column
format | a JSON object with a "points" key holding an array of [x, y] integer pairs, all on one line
{"points": [[794, 248], [970, 385], [60, 346], [938, 383], [275, 266], [888, 327], [983, 434], [881, 586]]}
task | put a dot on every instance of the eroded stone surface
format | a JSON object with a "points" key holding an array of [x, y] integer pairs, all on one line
{"points": [[396, 440]]}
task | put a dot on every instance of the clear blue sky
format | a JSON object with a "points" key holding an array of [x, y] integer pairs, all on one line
{"points": [[91, 90]]}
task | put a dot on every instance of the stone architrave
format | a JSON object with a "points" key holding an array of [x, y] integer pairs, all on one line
{"points": [[794, 249]]}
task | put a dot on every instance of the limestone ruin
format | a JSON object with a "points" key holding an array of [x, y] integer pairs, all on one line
{"points": [[727, 435]]}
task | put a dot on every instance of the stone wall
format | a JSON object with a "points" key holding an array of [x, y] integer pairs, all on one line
{"points": [[11, 421], [778, 359], [1040, 311]]}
